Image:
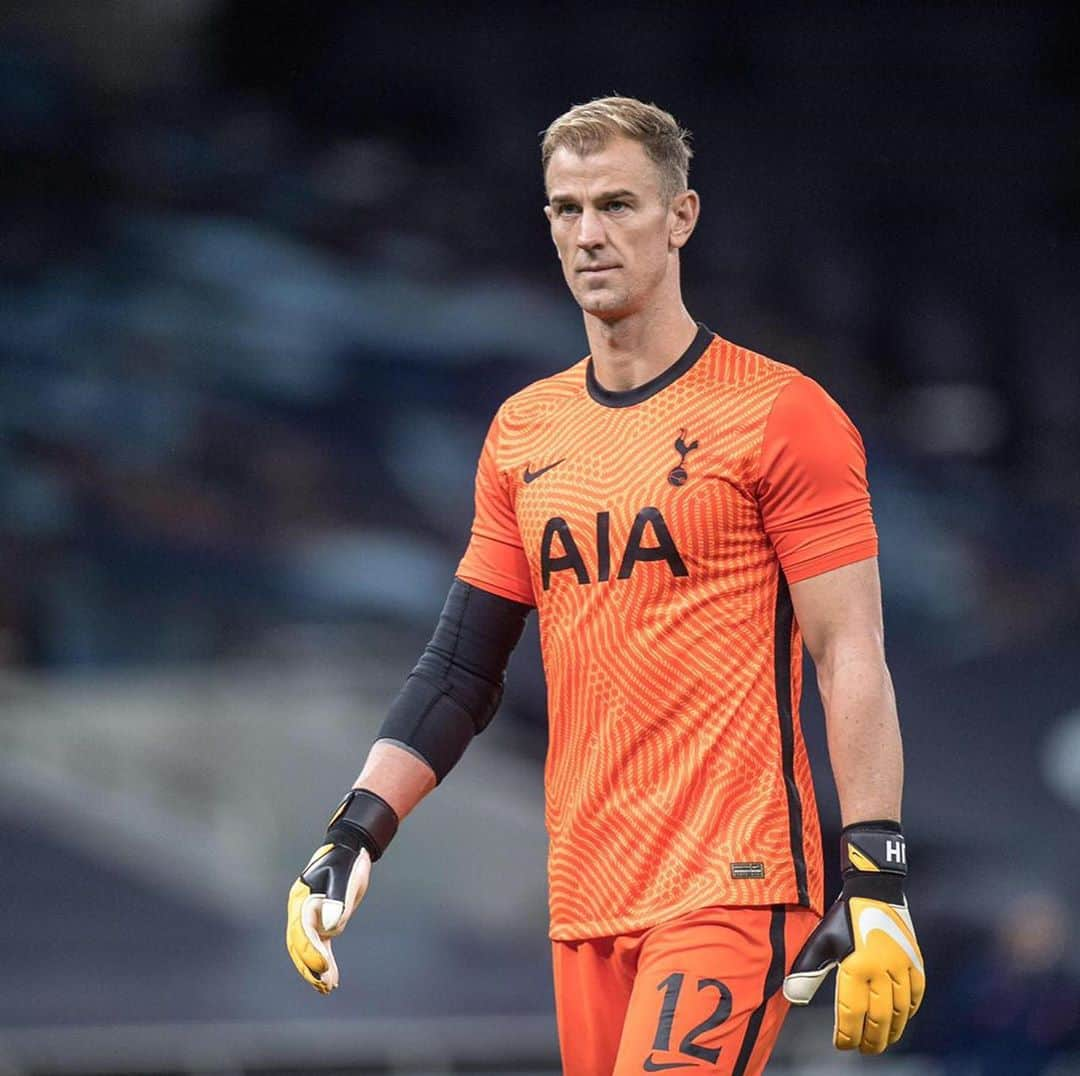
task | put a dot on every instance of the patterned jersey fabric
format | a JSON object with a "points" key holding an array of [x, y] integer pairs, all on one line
{"points": [[656, 531]]}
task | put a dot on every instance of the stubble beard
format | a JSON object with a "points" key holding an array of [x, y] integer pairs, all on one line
{"points": [[618, 299], [604, 303]]}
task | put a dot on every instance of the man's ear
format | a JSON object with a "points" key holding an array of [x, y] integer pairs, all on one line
{"points": [[550, 217], [685, 209]]}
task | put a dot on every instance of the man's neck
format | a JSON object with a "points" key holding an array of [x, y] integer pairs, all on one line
{"points": [[632, 351]]}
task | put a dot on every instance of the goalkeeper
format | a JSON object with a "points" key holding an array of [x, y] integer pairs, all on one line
{"points": [[683, 513]]}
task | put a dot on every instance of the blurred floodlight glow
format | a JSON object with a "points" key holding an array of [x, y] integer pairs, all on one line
{"points": [[953, 419], [1060, 757]]}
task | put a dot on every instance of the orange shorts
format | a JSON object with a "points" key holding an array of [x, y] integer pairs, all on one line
{"points": [[699, 993]]}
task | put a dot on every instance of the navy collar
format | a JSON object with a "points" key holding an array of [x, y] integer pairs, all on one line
{"points": [[629, 397]]}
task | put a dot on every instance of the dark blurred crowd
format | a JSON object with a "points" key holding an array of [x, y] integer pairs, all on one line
{"points": [[265, 277], [1008, 1000]]}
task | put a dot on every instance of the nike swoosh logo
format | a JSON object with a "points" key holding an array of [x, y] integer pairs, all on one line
{"points": [[532, 476], [872, 919], [659, 1066]]}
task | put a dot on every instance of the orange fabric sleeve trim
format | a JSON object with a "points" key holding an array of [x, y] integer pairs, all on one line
{"points": [[495, 567], [495, 558], [812, 490], [839, 558]]}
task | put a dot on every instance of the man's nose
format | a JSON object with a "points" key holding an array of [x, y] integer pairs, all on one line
{"points": [[590, 230]]}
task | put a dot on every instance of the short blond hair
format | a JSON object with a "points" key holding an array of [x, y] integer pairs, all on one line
{"points": [[588, 127]]}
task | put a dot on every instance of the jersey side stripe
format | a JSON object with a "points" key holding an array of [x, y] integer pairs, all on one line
{"points": [[774, 977], [785, 616]]}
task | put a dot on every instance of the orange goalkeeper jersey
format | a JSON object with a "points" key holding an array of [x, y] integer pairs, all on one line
{"points": [[656, 531]]}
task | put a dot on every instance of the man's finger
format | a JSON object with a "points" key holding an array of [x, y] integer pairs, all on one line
{"points": [[918, 989], [877, 1026], [310, 954], [800, 987], [310, 914], [901, 993], [297, 938], [308, 975], [852, 1001]]}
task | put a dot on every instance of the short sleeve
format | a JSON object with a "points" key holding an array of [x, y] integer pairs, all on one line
{"points": [[812, 490], [495, 559]]}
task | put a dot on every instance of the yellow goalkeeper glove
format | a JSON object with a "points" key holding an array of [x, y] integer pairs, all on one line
{"points": [[868, 937], [326, 894]]}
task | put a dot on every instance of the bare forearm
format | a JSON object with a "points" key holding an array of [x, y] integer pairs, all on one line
{"points": [[864, 735], [396, 775]]}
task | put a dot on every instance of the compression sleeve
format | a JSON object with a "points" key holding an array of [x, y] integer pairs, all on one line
{"points": [[812, 490], [457, 685]]}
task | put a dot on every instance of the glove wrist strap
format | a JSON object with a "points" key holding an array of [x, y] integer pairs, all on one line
{"points": [[888, 888], [363, 820], [873, 858]]}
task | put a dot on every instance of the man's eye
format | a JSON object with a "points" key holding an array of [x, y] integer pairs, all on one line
{"points": [[616, 207], [565, 209]]}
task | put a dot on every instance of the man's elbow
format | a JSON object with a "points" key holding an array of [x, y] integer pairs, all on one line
{"points": [[849, 653]]}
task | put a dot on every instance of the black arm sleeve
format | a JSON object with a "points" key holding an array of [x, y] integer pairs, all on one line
{"points": [[457, 684]]}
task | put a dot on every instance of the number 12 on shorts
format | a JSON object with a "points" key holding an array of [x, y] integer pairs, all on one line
{"points": [[672, 987]]}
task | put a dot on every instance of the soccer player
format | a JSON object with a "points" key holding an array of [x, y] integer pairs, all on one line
{"points": [[683, 514]]}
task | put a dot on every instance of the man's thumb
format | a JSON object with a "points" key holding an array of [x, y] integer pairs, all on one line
{"points": [[331, 913], [801, 986]]}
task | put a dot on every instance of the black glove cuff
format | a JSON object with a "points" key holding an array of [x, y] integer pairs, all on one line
{"points": [[363, 820], [873, 847]]}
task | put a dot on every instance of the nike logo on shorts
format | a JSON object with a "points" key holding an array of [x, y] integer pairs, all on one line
{"points": [[659, 1066]]}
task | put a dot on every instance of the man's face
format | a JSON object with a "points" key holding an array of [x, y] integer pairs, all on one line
{"points": [[616, 236]]}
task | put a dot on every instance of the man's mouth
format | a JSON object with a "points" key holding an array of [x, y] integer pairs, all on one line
{"points": [[597, 268]]}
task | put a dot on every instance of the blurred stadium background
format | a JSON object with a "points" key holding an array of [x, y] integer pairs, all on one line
{"points": [[266, 270]]}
